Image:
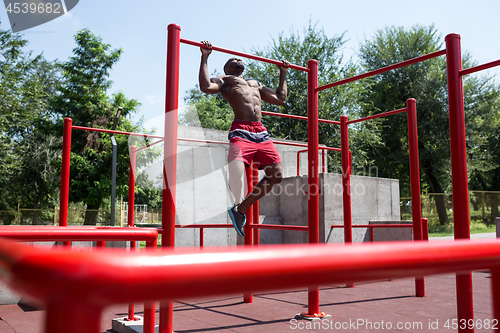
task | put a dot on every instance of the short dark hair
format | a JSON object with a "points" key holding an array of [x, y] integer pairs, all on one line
{"points": [[231, 59]]}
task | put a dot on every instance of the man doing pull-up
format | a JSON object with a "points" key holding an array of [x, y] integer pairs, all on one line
{"points": [[249, 139]]}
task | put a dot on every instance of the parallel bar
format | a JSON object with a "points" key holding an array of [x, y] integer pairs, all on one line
{"points": [[388, 113], [479, 68], [150, 145], [241, 54], [292, 116], [54, 233], [204, 225], [116, 132], [333, 226], [182, 273], [279, 227], [384, 69]]}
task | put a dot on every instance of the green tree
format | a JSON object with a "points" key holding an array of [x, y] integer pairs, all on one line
{"points": [[26, 86], [426, 82], [83, 96]]}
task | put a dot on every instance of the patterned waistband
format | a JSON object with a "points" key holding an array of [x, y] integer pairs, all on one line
{"points": [[249, 130]]}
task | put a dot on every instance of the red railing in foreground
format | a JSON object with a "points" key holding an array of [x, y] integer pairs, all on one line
{"points": [[100, 235], [111, 277]]}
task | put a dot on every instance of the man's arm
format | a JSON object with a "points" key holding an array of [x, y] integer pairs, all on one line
{"points": [[277, 97], [208, 85]]}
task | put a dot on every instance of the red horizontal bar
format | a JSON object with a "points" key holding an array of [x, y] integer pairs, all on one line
{"points": [[375, 226], [383, 114], [292, 116], [279, 227], [383, 69], [183, 273], [115, 132], [213, 225], [150, 145], [479, 68], [203, 141], [56, 233], [245, 55]]}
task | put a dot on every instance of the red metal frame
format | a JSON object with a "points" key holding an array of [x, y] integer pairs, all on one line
{"points": [[459, 166], [459, 179], [384, 69], [89, 233], [244, 55], [65, 165], [374, 226], [50, 276]]}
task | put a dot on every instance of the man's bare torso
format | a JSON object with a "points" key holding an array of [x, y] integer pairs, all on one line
{"points": [[244, 97]]}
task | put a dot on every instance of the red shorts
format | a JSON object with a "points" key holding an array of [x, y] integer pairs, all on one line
{"points": [[249, 141]]}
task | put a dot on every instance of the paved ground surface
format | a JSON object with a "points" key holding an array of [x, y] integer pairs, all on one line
{"points": [[368, 307]]}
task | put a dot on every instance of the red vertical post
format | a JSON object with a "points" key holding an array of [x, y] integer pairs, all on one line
{"points": [[149, 307], [346, 182], [201, 238], [459, 180], [131, 188], [170, 159], [416, 204], [313, 172], [323, 161], [65, 166], [425, 229], [130, 215], [346, 179], [248, 239], [66, 315], [255, 207]]}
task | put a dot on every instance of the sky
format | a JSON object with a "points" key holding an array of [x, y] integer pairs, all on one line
{"points": [[139, 28]]}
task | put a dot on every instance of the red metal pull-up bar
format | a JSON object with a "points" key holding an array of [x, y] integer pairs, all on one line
{"points": [[241, 54], [383, 69]]}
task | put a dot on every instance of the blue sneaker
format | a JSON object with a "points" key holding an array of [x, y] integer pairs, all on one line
{"points": [[238, 220]]}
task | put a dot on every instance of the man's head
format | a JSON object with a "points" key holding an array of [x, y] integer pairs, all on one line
{"points": [[234, 66]]}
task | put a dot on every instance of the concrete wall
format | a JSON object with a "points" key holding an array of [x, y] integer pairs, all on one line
{"points": [[373, 199]]}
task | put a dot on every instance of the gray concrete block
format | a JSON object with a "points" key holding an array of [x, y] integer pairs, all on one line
{"points": [[268, 236], [392, 234], [121, 325], [7, 295]]}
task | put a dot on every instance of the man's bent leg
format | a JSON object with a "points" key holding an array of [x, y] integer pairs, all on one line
{"points": [[236, 171], [274, 176]]}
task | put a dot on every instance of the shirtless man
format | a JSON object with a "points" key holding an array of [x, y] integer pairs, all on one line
{"points": [[249, 140]]}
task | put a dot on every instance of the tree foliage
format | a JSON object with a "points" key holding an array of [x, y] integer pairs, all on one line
{"points": [[26, 155], [426, 82], [83, 97]]}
